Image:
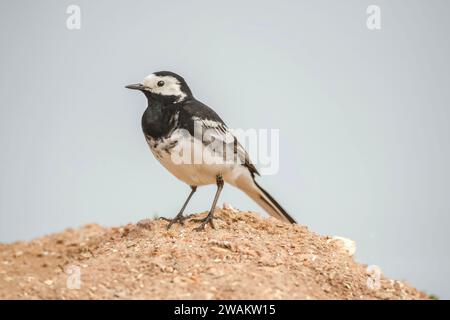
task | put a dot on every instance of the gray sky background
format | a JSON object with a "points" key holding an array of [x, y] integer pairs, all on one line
{"points": [[363, 116]]}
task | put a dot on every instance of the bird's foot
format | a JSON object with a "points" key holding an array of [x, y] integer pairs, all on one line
{"points": [[204, 221], [179, 218]]}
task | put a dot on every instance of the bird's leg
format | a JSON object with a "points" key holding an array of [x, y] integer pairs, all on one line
{"points": [[209, 218], [179, 218]]}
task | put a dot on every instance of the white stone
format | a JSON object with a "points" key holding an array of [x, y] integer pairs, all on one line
{"points": [[347, 244]]}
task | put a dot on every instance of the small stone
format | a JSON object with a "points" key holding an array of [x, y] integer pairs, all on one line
{"points": [[227, 206], [223, 244], [86, 255], [48, 282], [348, 245], [168, 269], [18, 254], [131, 244]]}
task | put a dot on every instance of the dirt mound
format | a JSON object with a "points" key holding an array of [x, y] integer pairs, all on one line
{"points": [[245, 257]]}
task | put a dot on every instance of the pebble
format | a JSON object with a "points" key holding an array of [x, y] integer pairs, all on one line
{"points": [[348, 245], [48, 282]]}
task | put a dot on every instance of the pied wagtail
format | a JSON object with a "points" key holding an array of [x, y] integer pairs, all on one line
{"points": [[170, 122]]}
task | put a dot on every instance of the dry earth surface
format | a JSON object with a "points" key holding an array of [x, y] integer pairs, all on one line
{"points": [[245, 257]]}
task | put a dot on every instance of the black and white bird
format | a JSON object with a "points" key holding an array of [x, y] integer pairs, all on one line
{"points": [[171, 124]]}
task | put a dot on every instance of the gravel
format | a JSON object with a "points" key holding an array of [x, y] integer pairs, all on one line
{"points": [[245, 257]]}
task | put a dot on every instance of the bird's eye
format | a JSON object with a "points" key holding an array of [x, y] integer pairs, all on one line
{"points": [[160, 83]]}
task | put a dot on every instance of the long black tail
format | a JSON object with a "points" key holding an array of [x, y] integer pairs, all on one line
{"points": [[266, 201]]}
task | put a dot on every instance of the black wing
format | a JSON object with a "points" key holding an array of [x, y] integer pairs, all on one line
{"points": [[214, 128]]}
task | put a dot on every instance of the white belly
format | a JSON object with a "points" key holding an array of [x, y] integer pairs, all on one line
{"points": [[188, 160]]}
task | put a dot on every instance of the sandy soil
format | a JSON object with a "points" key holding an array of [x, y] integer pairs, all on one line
{"points": [[245, 257]]}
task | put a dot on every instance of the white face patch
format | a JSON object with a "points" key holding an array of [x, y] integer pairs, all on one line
{"points": [[170, 86]]}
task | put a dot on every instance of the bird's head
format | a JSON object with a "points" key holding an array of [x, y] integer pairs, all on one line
{"points": [[164, 86]]}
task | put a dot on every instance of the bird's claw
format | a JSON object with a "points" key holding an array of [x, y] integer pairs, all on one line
{"points": [[204, 221], [178, 219]]}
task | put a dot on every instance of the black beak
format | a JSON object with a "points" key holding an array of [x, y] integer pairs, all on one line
{"points": [[136, 86]]}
